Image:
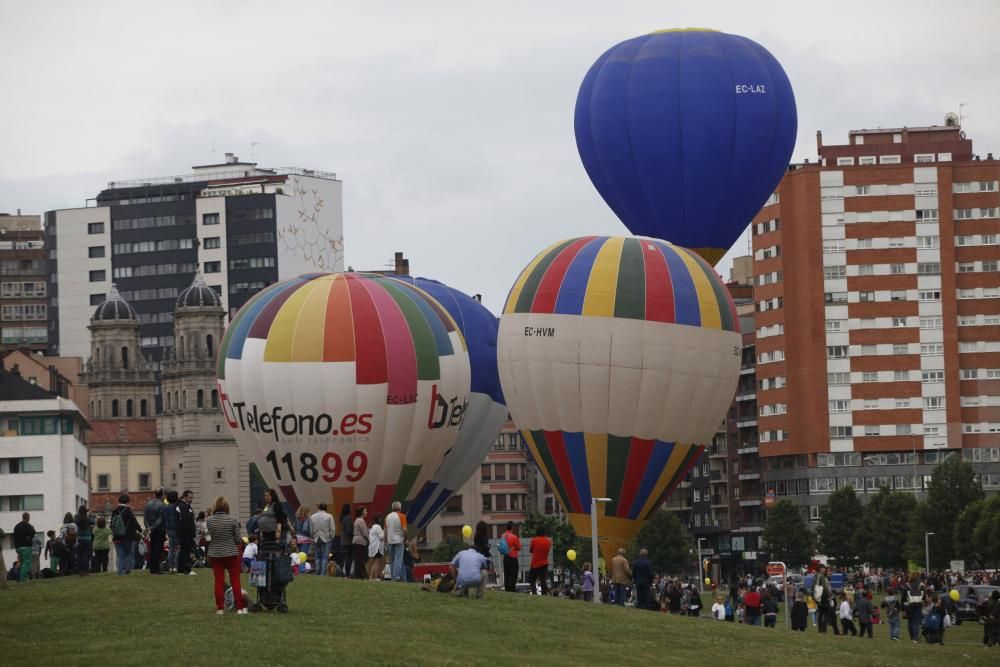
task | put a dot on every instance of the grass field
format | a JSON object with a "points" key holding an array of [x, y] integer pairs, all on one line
{"points": [[171, 620]]}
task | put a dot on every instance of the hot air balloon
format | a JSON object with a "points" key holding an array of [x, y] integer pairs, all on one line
{"points": [[344, 388], [618, 358], [487, 410], [686, 133]]}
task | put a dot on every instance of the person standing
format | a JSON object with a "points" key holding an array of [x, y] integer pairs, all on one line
{"points": [[224, 552], [893, 609], [751, 606], [642, 575], [322, 528], [914, 607], [85, 540], [863, 607], [153, 518], [37, 545], [303, 536], [347, 538], [846, 617], [800, 613], [186, 530], [360, 541], [770, 608], [3, 565], [539, 547], [102, 545], [621, 576], [24, 536], [170, 530], [510, 562], [588, 583], [376, 549], [124, 530], [395, 535]]}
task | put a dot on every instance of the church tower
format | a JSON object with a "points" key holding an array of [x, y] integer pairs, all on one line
{"points": [[124, 453], [199, 453]]}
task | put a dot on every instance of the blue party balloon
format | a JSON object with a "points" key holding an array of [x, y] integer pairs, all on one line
{"points": [[486, 412], [686, 133]]}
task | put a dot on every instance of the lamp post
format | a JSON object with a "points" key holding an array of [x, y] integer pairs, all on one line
{"points": [[701, 572], [593, 544], [927, 552]]}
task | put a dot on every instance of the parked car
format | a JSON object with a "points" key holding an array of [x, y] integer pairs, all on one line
{"points": [[775, 582], [969, 598]]}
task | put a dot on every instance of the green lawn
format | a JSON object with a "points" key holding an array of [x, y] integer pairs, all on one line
{"points": [[171, 620]]}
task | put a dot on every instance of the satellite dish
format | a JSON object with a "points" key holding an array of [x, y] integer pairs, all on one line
{"points": [[951, 119]]}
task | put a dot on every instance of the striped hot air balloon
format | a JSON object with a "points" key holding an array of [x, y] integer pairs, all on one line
{"points": [[344, 388], [618, 359]]}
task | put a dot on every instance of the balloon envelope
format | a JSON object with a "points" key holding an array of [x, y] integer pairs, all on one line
{"points": [[618, 358], [686, 133], [344, 388], [487, 410]]}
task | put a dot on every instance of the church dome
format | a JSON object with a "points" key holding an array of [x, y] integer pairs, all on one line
{"points": [[114, 308], [199, 295]]}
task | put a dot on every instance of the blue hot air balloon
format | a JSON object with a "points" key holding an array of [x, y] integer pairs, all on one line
{"points": [[686, 133], [486, 411]]}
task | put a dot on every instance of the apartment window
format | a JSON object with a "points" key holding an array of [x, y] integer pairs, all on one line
{"points": [[96, 299], [899, 321], [210, 219], [840, 431], [866, 297], [845, 161], [900, 348], [487, 472], [930, 295], [144, 481], [968, 346], [98, 276], [833, 326], [866, 160], [95, 227], [897, 242], [989, 265], [866, 269], [836, 351], [103, 482], [95, 251], [923, 157], [840, 406], [963, 214], [870, 404], [835, 297], [989, 239], [865, 243], [869, 350], [897, 268], [902, 403], [897, 295], [834, 379], [212, 242], [966, 267], [927, 215], [970, 373], [252, 263], [928, 241], [871, 430], [869, 376], [931, 349], [862, 190], [931, 376], [990, 212], [903, 429], [889, 159], [965, 240], [834, 272], [959, 188], [213, 267], [901, 376], [934, 403], [987, 186], [928, 268]]}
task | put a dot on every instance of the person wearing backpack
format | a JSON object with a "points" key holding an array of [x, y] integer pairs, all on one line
{"points": [[68, 533], [124, 531], [934, 623], [509, 546]]}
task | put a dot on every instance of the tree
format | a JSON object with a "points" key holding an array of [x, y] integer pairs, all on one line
{"points": [[953, 487], [963, 535], [667, 541], [786, 535], [445, 551], [884, 530], [986, 534], [837, 526]]}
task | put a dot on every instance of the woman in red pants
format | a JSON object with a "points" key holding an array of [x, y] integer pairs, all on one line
{"points": [[224, 545]]}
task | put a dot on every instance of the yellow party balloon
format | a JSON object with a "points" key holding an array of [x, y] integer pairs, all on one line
{"points": [[303, 557], [246, 540], [571, 554], [954, 595], [467, 531], [708, 582]]}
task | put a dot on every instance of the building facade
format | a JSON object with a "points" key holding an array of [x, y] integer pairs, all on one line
{"points": [[23, 288], [43, 462], [241, 226], [877, 302]]}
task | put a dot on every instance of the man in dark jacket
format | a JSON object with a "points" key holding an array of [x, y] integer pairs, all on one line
{"points": [[153, 516], [185, 533], [642, 578], [863, 608], [24, 533], [125, 541], [170, 526]]}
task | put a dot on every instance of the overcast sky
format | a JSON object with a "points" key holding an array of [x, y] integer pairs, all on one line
{"points": [[450, 124]]}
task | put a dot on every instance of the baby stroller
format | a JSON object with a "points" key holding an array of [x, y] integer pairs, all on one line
{"points": [[271, 573]]}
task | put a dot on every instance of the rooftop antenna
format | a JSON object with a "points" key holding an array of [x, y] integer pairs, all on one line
{"points": [[961, 116]]}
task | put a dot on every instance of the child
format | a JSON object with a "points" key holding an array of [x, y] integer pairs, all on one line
{"points": [[50, 551], [249, 553], [811, 606], [588, 583]]}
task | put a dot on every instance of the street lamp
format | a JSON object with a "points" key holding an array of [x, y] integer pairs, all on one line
{"points": [[927, 552], [593, 544], [701, 572]]}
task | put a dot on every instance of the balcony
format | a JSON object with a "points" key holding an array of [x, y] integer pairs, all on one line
{"points": [[749, 474], [748, 370], [747, 448], [716, 476], [720, 501], [749, 528], [745, 422], [750, 502], [749, 396]]}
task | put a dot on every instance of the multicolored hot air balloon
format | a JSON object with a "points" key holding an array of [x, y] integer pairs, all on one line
{"points": [[686, 133], [487, 410], [344, 388], [618, 359]]}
